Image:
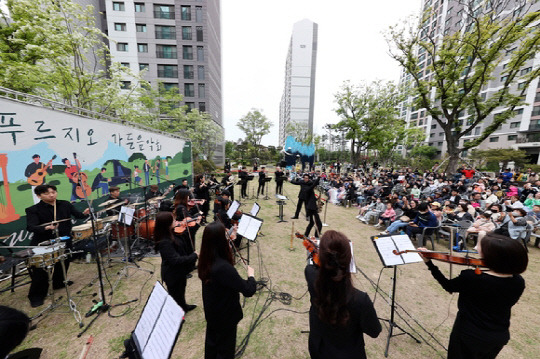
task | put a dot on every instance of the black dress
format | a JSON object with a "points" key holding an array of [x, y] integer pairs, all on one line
{"points": [[327, 341], [222, 310], [485, 301], [177, 260]]}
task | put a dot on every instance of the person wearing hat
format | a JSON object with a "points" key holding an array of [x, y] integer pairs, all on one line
{"points": [[436, 210]]}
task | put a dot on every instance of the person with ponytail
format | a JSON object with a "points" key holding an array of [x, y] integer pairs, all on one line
{"points": [[340, 314], [221, 288], [177, 259]]}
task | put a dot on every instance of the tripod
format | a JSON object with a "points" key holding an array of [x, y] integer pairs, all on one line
{"points": [[391, 323]]}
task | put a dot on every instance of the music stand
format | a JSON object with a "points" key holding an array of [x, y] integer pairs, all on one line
{"points": [[266, 185], [281, 202], [158, 327], [249, 227], [385, 245], [249, 178]]}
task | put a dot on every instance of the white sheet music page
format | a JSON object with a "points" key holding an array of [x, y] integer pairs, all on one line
{"points": [[255, 209], [233, 208], [403, 243], [150, 314], [249, 227], [386, 246], [352, 268], [163, 337]]}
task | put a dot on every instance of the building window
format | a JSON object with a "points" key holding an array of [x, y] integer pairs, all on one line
{"points": [[202, 91], [514, 124], [142, 47], [200, 73], [139, 7], [504, 78], [477, 131], [512, 137], [198, 13], [119, 26], [186, 33], [190, 106], [433, 127], [537, 97], [535, 111], [200, 54], [166, 52], [140, 27], [143, 67], [439, 144], [522, 85], [125, 64], [170, 86], [189, 90], [431, 135], [170, 71], [122, 46], [126, 85], [185, 13], [164, 11], [187, 52], [441, 134], [525, 71], [118, 6], [165, 32], [188, 72], [202, 106], [519, 111], [494, 139], [199, 33]]}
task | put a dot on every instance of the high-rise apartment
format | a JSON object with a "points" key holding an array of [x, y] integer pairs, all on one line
{"points": [[520, 132], [298, 99], [175, 42]]}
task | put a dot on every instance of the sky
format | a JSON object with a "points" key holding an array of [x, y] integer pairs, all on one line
{"points": [[255, 37]]}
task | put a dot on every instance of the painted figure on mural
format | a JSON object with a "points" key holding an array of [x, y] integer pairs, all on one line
{"points": [[157, 167], [101, 182], [70, 172], [136, 175], [146, 169], [36, 172]]}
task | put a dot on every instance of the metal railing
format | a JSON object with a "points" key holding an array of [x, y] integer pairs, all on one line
{"points": [[165, 35], [160, 54], [163, 14], [168, 73], [58, 106]]}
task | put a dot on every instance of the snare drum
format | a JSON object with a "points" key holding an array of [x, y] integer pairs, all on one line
{"points": [[46, 256]]}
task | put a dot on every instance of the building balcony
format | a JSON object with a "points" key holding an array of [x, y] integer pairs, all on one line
{"points": [[532, 137], [168, 73], [164, 15], [166, 55]]}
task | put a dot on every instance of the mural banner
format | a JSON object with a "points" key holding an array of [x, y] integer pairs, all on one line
{"points": [[39, 145]]}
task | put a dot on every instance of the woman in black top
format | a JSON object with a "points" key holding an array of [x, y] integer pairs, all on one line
{"points": [[177, 259], [485, 300], [221, 288], [201, 192], [182, 211], [340, 314]]}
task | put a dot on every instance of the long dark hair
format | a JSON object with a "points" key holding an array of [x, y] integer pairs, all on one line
{"points": [[162, 230], [333, 286], [214, 245]]}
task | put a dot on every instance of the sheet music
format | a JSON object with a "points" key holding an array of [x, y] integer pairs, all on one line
{"points": [[150, 315], [281, 197], [403, 242], [163, 337], [233, 208], [255, 209], [249, 226], [385, 247], [352, 268], [126, 215]]}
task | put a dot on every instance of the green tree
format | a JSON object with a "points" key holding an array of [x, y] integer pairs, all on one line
{"points": [[255, 125], [368, 115], [501, 155], [462, 65], [423, 152]]}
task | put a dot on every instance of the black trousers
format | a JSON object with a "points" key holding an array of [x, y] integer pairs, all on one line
{"points": [[279, 187], [314, 218], [243, 192], [299, 207], [220, 342], [260, 189], [177, 289], [40, 280], [462, 347]]}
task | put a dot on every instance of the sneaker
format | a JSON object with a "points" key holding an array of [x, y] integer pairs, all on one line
{"points": [[384, 233], [358, 217], [363, 220], [378, 225]]}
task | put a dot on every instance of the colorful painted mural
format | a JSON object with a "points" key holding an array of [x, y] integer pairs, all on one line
{"points": [[40, 145]]}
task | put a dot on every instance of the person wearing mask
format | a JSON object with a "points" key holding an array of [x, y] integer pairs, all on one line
{"points": [[513, 224], [485, 301], [339, 314], [424, 219], [221, 288], [177, 259]]}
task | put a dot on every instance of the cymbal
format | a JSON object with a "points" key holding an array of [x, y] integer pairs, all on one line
{"points": [[136, 204], [110, 218], [54, 222], [106, 203], [114, 205], [154, 199]]}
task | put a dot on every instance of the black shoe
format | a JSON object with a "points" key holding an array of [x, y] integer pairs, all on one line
{"points": [[190, 307], [36, 303], [69, 282], [294, 217]]}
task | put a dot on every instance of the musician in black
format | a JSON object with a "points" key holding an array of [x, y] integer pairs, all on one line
{"points": [[115, 198], [153, 192], [312, 211], [201, 192], [280, 177], [229, 223], [183, 210], [228, 182], [262, 176], [48, 210], [304, 184], [243, 181], [183, 185]]}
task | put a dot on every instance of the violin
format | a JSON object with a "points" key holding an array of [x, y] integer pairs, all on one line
{"points": [[448, 258], [187, 222], [195, 202], [311, 247]]}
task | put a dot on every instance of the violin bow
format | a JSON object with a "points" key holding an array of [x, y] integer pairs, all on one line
{"points": [[231, 243]]}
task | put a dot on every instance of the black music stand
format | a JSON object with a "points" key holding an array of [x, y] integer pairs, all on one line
{"points": [[249, 178], [385, 245], [266, 185], [281, 202]]}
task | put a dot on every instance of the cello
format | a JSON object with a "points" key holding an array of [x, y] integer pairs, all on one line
{"points": [[82, 190]]}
